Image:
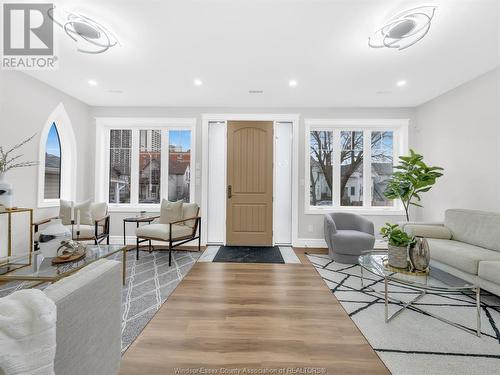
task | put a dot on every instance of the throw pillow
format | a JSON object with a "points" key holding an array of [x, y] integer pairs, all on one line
{"points": [[170, 211], [189, 210], [83, 207]]}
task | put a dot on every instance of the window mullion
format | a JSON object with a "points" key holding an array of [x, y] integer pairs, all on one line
{"points": [[164, 163], [134, 168], [336, 168], [367, 170]]}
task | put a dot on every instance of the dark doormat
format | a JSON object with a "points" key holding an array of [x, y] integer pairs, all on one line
{"points": [[244, 254]]}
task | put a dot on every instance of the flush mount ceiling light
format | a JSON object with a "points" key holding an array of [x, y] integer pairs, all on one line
{"points": [[89, 35], [197, 82], [92, 82], [292, 83], [401, 83], [404, 29]]}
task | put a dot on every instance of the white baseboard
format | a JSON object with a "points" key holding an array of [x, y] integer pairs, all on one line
{"points": [[310, 242]]}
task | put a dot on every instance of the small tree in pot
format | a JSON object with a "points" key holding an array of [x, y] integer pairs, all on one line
{"points": [[399, 243], [411, 178]]}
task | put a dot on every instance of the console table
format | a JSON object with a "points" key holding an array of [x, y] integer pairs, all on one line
{"points": [[12, 211]]}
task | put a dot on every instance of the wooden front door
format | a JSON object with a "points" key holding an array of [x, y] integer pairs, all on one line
{"points": [[249, 216]]}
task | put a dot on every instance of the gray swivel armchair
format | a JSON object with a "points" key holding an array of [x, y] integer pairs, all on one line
{"points": [[347, 236]]}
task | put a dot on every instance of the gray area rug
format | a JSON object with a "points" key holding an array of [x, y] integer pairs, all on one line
{"points": [[149, 283], [414, 343]]}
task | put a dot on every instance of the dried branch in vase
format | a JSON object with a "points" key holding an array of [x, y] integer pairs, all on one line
{"points": [[8, 162]]}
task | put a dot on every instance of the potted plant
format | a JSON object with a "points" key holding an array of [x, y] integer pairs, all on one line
{"points": [[399, 244], [8, 162], [411, 178]]}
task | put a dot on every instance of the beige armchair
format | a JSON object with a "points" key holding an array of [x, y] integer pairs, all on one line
{"points": [[175, 233], [97, 231]]}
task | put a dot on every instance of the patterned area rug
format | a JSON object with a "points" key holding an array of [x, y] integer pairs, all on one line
{"points": [[415, 343], [149, 283]]}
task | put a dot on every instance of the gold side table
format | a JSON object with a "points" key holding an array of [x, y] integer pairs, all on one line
{"points": [[9, 212]]}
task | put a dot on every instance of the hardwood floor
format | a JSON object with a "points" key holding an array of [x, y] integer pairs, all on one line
{"points": [[251, 316]]}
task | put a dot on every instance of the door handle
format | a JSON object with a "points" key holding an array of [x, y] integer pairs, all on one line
{"points": [[229, 191]]}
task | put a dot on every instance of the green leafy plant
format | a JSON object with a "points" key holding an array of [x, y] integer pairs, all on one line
{"points": [[8, 162], [396, 236], [411, 178]]}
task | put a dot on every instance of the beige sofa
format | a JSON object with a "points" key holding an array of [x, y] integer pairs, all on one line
{"points": [[88, 328], [466, 245]]}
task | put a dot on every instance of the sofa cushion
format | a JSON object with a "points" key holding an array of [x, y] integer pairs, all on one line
{"points": [[460, 255], [86, 231], [170, 211], [161, 231], [352, 241], [474, 227], [428, 231], [83, 207], [99, 210], [189, 210], [490, 270]]}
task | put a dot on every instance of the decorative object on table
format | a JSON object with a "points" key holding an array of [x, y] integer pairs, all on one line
{"points": [[51, 237], [8, 162], [69, 251], [399, 243], [179, 224], [419, 254], [412, 177], [347, 236]]}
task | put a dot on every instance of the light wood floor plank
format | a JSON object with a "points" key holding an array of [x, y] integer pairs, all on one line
{"points": [[255, 316]]}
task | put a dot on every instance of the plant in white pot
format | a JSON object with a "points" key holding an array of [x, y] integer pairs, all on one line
{"points": [[399, 243], [7, 163]]}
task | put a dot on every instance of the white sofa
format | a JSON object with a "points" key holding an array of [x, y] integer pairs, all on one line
{"points": [[466, 244], [88, 328]]}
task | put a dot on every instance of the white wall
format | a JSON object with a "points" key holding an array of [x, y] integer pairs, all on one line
{"points": [[460, 131], [25, 105], [309, 226]]}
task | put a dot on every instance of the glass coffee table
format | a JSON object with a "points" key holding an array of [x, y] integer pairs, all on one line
{"points": [[34, 267], [436, 281]]}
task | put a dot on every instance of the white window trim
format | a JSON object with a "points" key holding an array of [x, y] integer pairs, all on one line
{"points": [[400, 129], [103, 127], [68, 157]]}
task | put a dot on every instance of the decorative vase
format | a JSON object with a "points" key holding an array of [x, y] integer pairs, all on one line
{"points": [[397, 256], [5, 192], [50, 238], [420, 254]]}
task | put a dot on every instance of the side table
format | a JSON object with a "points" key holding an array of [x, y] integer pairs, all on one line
{"points": [[137, 220]]}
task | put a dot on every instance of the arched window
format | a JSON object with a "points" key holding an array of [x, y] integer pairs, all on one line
{"points": [[57, 160], [52, 182]]}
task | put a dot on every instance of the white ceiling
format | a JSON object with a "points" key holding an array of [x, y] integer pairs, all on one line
{"points": [[235, 46]]}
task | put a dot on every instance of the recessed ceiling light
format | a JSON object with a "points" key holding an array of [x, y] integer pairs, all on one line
{"points": [[401, 83], [92, 82], [292, 83], [198, 82]]}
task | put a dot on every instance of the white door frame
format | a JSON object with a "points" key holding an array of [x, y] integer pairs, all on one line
{"points": [[291, 118]]}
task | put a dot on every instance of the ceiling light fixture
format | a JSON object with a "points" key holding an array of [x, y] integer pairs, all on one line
{"points": [[292, 83], [401, 83], [198, 82], [404, 29], [89, 35], [92, 82]]}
